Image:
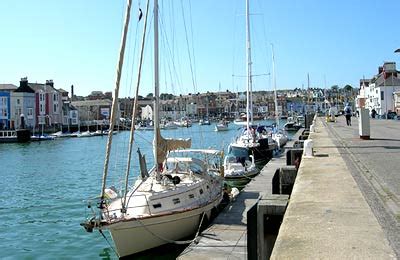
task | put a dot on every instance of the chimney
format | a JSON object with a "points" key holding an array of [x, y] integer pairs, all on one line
{"points": [[72, 92], [380, 69], [24, 82], [50, 83]]}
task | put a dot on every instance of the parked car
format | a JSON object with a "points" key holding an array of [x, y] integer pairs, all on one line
{"points": [[391, 115]]}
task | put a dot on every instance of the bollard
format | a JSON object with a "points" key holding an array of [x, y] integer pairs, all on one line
{"points": [[308, 148], [363, 124]]}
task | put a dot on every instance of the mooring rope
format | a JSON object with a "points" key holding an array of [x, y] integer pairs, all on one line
{"points": [[108, 242]]}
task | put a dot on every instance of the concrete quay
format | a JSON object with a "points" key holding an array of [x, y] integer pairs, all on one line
{"points": [[328, 216]]}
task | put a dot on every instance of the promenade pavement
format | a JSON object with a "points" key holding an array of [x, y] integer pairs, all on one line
{"points": [[375, 166], [328, 217]]}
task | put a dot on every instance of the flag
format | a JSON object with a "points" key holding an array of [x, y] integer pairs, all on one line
{"points": [[140, 14]]}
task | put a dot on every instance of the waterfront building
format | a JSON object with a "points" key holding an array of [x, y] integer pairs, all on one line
{"points": [[363, 94], [48, 105], [147, 113], [5, 104], [380, 93], [23, 103], [70, 115], [396, 99], [94, 112]]}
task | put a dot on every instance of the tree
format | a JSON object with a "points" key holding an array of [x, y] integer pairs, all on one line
{"points": [[348, 88]]}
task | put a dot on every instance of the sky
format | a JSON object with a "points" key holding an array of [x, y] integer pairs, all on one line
{"points": [[202, 43]]}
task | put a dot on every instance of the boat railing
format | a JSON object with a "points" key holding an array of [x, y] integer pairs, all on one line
{"points": [[115, 214], [8, 134]]}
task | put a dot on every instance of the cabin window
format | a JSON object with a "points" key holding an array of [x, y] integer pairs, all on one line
{"points": [[201, 191], [208, 187], [176, 201], [191, 196], [156, 206]]}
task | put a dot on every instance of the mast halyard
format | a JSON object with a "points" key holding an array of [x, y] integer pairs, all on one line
{"points": [[134, 110], [274, 81], [115, 98], [249, 104], [156, 89]]}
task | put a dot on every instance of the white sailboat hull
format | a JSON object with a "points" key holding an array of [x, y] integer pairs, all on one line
{"points": [[134, 236], [280, 139]]}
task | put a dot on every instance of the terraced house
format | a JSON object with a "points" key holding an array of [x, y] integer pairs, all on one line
{"points": [[5, 104], [23, 104]]}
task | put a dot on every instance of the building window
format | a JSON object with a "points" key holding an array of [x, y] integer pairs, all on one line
{"points": [[55, 97], [30, 112], [41, 109], [18, 101], [382, 95], [55, 108]]}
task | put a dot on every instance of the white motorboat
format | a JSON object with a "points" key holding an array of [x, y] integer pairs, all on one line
{"points": [[239, 165], [222, 126], [85, 134], [167, 203], [204, 122], [168, 126], [280, 137]]}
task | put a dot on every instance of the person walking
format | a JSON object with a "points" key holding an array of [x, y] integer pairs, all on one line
{"points": [[373, 113], [347, 113]]}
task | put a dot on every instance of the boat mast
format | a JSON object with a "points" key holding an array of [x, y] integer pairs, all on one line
{"points": [[249, 79], [115, 97], [274, 80], [156, 87]]}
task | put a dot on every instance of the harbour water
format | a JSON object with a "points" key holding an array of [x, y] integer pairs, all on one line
{"points": [[44, 185]]}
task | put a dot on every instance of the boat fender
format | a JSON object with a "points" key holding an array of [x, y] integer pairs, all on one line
{"points": [[176, 180]]}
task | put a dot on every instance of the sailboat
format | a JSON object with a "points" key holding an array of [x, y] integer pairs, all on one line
{"points": [[253, 143], [278, 135], [172, 200], [205, 120]]}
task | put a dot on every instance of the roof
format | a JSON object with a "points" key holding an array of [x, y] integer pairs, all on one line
{"points": [[25, 89], [8, 87], [40, 86], [97, 102], [390, 81]]}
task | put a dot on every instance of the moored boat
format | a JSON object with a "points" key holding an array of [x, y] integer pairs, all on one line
{"points": [[222, 126], [172, 200]]}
